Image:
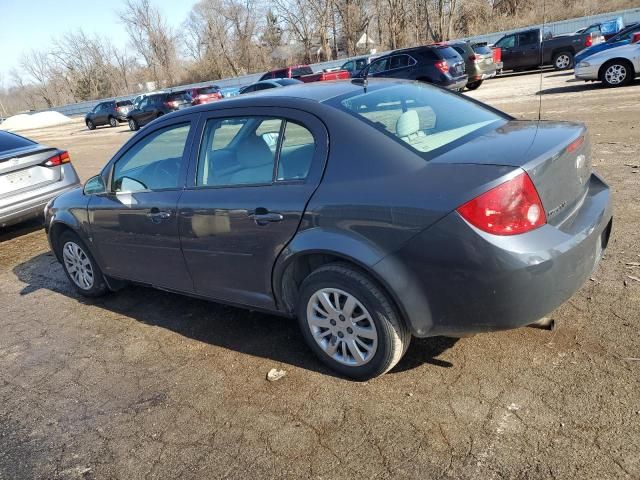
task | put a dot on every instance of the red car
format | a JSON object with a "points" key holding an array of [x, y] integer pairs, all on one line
{"points": [[305, 74], [202, 95]]}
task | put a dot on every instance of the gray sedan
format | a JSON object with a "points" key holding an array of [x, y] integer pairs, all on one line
{"points": [[30, 175], [372, 211]]}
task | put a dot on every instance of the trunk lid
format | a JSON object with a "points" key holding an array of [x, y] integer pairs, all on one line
{"points": [[22, 169], [556, 155]]}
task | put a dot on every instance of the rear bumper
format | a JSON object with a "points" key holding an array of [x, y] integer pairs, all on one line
{"points": [[455, 83], [482, 73], [453, 279], [31, 204]]}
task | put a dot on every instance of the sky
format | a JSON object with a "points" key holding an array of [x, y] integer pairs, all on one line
{"points": [[31, 24]]}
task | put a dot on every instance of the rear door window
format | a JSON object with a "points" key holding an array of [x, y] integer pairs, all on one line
{"points": [[528, 38], [10, 141]]}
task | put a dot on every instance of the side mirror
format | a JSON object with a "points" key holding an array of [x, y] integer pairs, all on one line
{"points": [[94, 185], [635, 38]]}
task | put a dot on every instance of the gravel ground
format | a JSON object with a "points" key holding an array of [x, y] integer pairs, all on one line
{"points": [[146, 384]]}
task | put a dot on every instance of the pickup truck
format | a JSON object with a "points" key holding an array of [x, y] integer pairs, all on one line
{"points": [[527, 50], [305, 74]]}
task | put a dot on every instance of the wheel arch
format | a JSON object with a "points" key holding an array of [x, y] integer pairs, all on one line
{"points": [[300, 258], [624, 60]]}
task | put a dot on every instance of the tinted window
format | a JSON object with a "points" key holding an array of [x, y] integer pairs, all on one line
{"points": [[124, 103], [507, 42], [528, 38], [288, 81], [421, 117], [400, 61], [153, 163], [9, 141], [448, 52], [360, 64], [263, 86], [207, 90], [279, 74], [296, 152], [482, 50], [180, 96], [299, 71], [378, 66], [238, 151]]}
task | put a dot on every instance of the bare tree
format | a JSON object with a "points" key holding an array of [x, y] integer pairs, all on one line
{"points": [[152, 38]]}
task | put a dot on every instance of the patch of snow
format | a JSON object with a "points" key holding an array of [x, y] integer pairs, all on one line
{"points": [[26, 121]]}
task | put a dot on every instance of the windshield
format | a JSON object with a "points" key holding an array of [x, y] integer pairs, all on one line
{"points": [[10, 141], [299, 71], [208, 90], [421, 117]]}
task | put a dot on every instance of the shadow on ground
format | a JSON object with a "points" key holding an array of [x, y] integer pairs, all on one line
{"points": [[253, 333], [23, 228], [576, 87]]}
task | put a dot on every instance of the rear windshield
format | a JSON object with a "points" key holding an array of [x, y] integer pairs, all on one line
{"points": [[299, 71], [124, 103], [482, 50], [207, 90], [179, 96], [421, 117], [287, 81], [447, 52], [9, 141]]}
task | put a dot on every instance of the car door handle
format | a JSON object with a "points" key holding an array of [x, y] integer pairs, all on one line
{"points": [[157, 216], [264, 218]]}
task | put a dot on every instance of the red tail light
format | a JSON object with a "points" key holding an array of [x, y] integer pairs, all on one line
{"points": [[442, 65], [588, 41], [474, 58], [59, 159], [511, 208], [575, 145], [497, 55]]}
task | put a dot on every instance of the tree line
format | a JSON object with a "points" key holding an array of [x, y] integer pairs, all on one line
{"points": [[224, 38]]}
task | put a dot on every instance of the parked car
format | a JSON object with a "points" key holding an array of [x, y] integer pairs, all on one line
{"points": [[526, 50], [607, 29], [305, 74], [31, 174], [478, 62], [108, 113], [355, 65], [622, 38], [267, 84], [438, 64], [155, 105], [454, 218], [202, 95], [614, 67]]}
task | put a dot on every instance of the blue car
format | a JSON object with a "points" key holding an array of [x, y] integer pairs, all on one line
{"points": [[622, 38]]}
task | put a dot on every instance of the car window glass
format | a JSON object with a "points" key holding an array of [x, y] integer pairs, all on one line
{"points": [[507, 42], [153, 163], [296, 152], [360, 64], [378, 66], [528, 38], [460, 50], [419, 116], [348, 66], [399, 61], [593, 29], [263, 86], [280, 74], [244, 156], [9, 141]]}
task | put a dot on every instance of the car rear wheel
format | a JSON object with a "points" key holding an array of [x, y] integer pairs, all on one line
{"points": [[616, 73], [563, 60], [474, 85], [133, 125], [80, 267], [113, 122], [91, 125], [350, 322]]}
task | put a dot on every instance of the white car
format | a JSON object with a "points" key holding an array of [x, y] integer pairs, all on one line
{"points": [[614, 67]]}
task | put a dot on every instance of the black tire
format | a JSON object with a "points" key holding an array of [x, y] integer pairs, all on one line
{"points": [[562, 60], [98, 286], [159, 114], [622, 67], [393, 337], [113, 122], [133, 125], [474, 85], [91, 125]]}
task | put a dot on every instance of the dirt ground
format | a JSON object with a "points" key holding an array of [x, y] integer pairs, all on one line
{"points": [[146, 384]]}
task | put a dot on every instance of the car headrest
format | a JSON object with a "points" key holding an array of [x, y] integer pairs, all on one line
{"points": [[407, 124], [254, 152]]}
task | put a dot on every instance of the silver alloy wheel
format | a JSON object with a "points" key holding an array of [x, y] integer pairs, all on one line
{"points": [[563, 61], [615, 74], [78, 265], [342, 327]]}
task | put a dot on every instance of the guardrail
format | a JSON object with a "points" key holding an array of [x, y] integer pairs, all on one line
{"points": [[556, 28]]}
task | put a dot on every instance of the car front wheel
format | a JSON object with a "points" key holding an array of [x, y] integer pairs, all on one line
{"points": [[133, 125], [91, 125], [350, 322], [80, 267], [616, 74]]}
